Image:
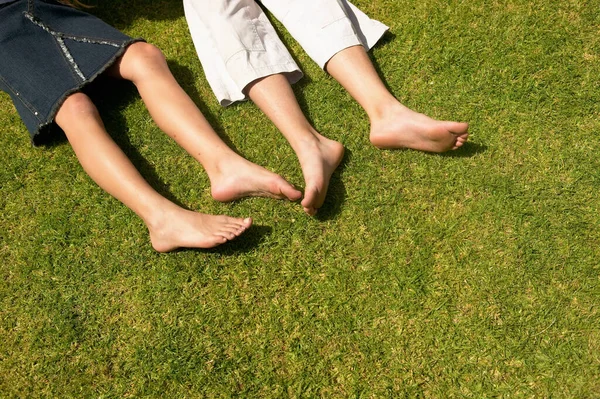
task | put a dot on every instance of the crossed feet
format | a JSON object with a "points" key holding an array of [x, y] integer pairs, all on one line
{"points": [[235, 177]]}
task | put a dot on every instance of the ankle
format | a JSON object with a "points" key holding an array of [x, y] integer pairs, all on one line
{"points": [[158, 216], [222, 165], [386, 109], [305, 141]]}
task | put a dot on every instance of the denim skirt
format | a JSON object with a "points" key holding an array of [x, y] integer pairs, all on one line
{"points": [[47, 52]]}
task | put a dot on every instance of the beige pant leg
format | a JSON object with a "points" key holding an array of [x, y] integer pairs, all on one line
{"points": [[325, 27], [236, 45]]}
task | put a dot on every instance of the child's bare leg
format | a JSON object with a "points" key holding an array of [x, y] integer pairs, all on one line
{"points": [[231, 176], [318, 155], [392, 124], [170, 226]]}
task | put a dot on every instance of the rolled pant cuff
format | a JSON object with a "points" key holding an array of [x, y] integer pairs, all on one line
{"points": [[368, 38]]}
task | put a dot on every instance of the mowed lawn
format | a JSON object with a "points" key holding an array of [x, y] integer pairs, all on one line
{"points": [[471, 274]]}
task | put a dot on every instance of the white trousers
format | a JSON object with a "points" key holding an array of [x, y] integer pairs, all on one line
{"points": [[237, 44]]}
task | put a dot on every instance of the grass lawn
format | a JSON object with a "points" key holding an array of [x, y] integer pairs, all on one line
{"points": [[471, 274]]}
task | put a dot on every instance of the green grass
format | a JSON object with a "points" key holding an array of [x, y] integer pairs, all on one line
{"points": [[472, 274]]}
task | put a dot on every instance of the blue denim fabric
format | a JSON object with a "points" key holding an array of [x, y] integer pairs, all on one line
{"points": [[49, 51]]}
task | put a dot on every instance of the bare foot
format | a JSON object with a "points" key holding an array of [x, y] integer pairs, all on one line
{"points": [[237, 177], [401, 127], [318, 160], [180, 228]]}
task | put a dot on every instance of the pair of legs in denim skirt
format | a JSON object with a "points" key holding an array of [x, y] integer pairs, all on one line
{"points": [[242, 56], [58, 37]]}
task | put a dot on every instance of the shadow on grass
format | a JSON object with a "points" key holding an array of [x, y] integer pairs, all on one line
{"points": [[336, 194], [122, 14], [187, 80], [387, 38], [468, 150], [111, 96]]}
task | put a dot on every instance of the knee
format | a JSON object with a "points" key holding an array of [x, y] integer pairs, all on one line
{"points": [[144, 58], [76, 105]]}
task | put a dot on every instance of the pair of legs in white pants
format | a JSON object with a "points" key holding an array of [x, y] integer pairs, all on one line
{"points": [[242, 56]]}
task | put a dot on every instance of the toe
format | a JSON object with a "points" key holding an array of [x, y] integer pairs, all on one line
{"points": [[461, 128], [220, 239], [311, 198], [289, 191], [310, 211], [226, 235]]}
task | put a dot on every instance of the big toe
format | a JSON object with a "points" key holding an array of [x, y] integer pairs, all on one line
{"points": [[246, 223], [287, 190], [313, 199], [310, 211], [458, 128]]}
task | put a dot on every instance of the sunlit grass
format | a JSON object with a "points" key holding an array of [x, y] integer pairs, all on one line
{"points": [[472, 274]]}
